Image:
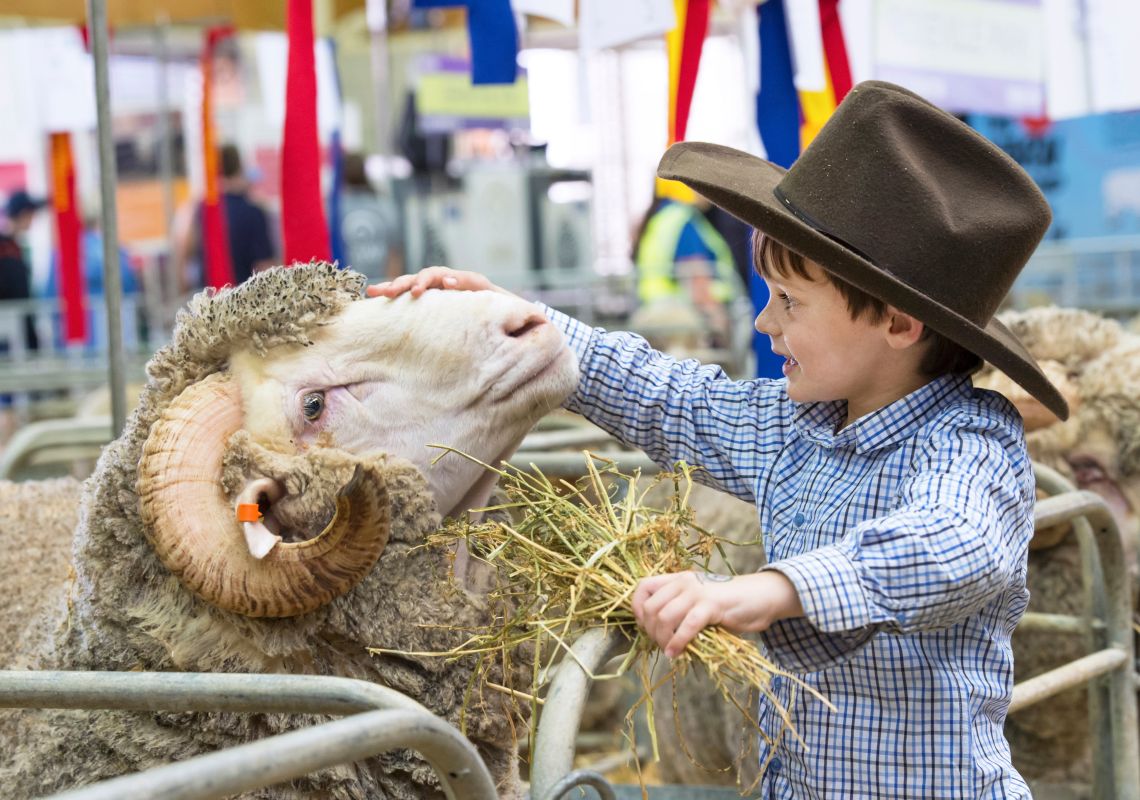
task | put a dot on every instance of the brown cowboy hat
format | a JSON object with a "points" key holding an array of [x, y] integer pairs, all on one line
{"points": [[904, 201]]}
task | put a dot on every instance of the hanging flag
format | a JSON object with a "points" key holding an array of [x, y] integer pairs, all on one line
{"points": [[777, 106], [835, 49], [493, 36], [304, 231], [685, 43], [218, 269], [821, 42], [68, 232]]}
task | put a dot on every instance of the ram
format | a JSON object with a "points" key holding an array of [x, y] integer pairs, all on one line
{"points": [[308, 408]]}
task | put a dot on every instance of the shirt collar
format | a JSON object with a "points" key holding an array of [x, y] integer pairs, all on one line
{"points": [[890, 424]]}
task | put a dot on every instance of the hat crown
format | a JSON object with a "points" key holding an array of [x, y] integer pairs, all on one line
{"points": [[922, 196]]}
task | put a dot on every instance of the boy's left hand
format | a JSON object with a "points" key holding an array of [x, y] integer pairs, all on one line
{"points": [[672, 609]]}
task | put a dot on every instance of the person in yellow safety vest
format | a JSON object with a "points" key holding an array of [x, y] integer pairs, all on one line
{"points": [[680, 256]]}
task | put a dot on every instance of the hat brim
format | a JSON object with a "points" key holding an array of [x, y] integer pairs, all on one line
{"points": [[745, 185]]}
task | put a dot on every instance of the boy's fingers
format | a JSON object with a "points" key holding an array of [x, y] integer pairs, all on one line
{"points": [[693, 623]]}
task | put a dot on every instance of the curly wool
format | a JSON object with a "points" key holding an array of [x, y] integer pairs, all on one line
{"points": [[130, 613]]}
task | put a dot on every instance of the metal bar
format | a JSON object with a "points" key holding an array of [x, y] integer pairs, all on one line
{"points": [[198, 691], [562, 712], [1119, 704], [581, 437], [112, 282], [1056, 623], [291, 755], [1055, 681], [166, 279]]}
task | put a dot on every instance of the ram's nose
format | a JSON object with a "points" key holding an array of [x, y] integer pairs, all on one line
{"points": [[522, 325]]}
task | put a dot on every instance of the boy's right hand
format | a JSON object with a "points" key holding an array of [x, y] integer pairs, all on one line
{"points": [[433, 278]]}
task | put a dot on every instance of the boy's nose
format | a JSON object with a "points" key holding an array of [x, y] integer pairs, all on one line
{"points": [[764, 323]]}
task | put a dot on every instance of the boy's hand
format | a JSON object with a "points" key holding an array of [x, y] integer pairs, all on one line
{"points": [[672, 609], [433, 278]]}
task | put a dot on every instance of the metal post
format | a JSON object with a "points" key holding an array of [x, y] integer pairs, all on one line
{"points": [[168, 282], [112, 282], [562, 712], [376, 12]]}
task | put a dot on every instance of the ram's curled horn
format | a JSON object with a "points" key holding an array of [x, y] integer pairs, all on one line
{"points": [[193, 529]]}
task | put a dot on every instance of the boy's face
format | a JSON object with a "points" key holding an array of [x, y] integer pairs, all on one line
{"points": [[829, 355]]}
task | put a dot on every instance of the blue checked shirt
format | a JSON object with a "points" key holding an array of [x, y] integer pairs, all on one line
{"points": [[905, 534]]}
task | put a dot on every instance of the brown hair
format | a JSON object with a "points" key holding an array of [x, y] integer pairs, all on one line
{"points": [[943, 356]]}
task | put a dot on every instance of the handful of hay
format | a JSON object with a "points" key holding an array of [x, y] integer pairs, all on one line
{"points": [[573, 560]]}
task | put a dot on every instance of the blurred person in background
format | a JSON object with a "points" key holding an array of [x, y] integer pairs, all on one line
{"points": [[247, 230], [681, 259], [16, 283], [369, 225], [15, 270]]}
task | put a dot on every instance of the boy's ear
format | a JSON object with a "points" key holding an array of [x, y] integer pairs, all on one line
{"points": [[902, 330]]}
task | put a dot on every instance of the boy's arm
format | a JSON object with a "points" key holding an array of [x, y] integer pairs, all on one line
{"points": [[676, 410], [954, 542], [672, 410]]}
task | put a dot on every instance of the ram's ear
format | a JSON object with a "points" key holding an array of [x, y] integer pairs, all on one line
{"points": [[195, 531]]}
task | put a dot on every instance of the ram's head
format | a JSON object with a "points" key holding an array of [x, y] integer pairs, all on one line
{"points": [[295, 430], [1094, 364]]}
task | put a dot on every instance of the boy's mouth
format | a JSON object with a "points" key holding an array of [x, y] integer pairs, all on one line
{"points": [[789, 364]]}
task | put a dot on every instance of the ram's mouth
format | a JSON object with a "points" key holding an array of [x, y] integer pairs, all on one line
{"points": [[528, 374]]}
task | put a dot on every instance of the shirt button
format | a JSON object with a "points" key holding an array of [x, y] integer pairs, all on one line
{"points": [[775, 765], [799, 519]]}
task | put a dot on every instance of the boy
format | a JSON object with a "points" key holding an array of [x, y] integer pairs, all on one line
{"points": [[896, 499]]}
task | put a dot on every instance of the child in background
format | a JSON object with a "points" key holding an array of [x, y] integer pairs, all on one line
{"points": [[896, 499]]}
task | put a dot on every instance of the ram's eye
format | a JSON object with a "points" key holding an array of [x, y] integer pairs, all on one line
{"points": [[313, 405]]}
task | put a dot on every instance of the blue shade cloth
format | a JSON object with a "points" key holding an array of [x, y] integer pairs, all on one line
{"points": [[906, 535], [778, 119], [494, 38], [336, 152]]}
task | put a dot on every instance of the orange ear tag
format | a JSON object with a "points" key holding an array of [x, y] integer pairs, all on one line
{"points": [[248, 512]]}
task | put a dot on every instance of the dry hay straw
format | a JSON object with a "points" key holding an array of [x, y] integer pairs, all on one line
{"points": [[573, 560]]}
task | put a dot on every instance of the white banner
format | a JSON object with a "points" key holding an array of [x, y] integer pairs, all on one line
{"points": [[558, 10], [609, 23]]}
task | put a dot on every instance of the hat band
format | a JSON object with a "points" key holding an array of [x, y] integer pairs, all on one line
{"points": [[814, 224]]}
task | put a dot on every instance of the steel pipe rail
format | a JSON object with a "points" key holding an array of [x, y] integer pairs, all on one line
{"points": [[1057, 623], [402, 722], [291, 755], [580, 437], [198, 691], [1073, 674]]}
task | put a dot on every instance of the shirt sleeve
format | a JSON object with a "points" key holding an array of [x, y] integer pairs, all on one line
{"points": [[677, 410], [956, 539]]}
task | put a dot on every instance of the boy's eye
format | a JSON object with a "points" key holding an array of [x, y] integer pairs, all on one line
{"points": [[787, 301]]}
